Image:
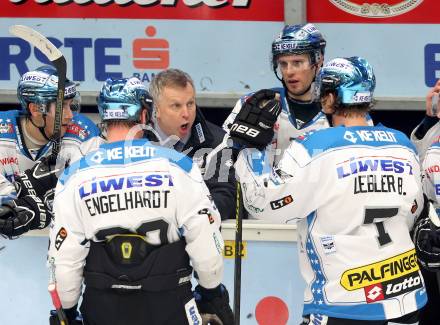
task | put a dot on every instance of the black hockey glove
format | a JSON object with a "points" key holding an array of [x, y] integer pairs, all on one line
{"points": [[427, 241], [213, 305], [72, 315], [253, 125], [21, 215], [40, 180]]}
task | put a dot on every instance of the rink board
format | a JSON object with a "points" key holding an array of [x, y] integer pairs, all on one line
{"points": [[269, 269]]}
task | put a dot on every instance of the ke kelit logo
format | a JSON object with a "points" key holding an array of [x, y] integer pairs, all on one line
{"points": [[278, 204], [375, 8], [379, 272]]}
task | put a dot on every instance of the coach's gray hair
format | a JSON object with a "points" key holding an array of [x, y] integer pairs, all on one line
{"points": [[169, 78]]}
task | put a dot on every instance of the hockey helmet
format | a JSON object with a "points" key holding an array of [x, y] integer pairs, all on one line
{"points": [[40, 87], [352, 79], [299, 39], [123, 99]]}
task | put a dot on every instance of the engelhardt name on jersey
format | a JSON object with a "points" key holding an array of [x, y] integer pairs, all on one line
{"points": [[354, 193], [138, 188]]}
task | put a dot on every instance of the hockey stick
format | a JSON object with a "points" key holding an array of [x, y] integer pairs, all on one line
{"points": [[59, 62], [57, 304], [238, 248], [52, 288]]}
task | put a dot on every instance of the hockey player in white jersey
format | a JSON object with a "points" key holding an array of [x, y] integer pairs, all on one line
{"points": [[428, 131], [297, 55], [129, 219], [354, 191], [25, 146], [427, 235]]}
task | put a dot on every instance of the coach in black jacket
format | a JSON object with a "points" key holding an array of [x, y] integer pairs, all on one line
{"points": [[179, 123]]}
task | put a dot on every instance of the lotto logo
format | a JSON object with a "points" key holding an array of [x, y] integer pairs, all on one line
{"points": [[402, 285], [374, 293]]}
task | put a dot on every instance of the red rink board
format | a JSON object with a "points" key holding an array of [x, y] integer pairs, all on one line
{"points": [[421, 12], [256, 10]]}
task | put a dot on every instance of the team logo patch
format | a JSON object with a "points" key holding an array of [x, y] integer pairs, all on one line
{"points": [[376, 9], [60, 238], [278, 204], [77, 130], [393, 268], [6, 128], [328, 244]]}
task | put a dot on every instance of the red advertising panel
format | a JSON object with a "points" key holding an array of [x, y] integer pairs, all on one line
{"points": [[374, 11], [242, 10]]}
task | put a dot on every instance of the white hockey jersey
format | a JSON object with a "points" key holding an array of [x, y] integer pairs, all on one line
{"points": [[431, 170], [131, 185], [286, 129], [422, 145], [355, 193], [15, 157]]}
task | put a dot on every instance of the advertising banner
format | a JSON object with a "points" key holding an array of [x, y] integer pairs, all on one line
{"points": [[223, 45], [399, 38], [374, 11]]}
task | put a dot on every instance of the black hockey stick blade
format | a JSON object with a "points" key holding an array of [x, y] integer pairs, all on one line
{"points": [[59, 62], [238, 250]]}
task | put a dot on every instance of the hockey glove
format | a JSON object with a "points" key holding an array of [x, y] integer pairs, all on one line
{"points": [[253, 125], [73, 317], [213, 305], [21, 215], [427, 241], [40, 180]]}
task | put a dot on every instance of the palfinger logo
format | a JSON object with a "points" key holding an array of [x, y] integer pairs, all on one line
{"points": [[386, 270], [388, 8]]}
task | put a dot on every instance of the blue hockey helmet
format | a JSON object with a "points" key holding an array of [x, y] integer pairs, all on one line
{"points": [[123, 99], [299, 39], [352, 79], [40, 87]]}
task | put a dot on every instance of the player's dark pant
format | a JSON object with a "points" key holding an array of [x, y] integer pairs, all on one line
{"points": [[430, 314], [102, 307], [128, 282], [411, 318]]}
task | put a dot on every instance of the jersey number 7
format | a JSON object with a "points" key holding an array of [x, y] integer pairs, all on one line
{"points": [[371, 214]]}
